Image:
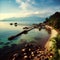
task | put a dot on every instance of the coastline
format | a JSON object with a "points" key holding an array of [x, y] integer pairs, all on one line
{"points": [[53, 34]]}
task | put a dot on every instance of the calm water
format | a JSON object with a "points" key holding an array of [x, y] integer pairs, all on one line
{"points": [[7, 30]]}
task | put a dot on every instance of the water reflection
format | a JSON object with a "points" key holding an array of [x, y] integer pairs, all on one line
{"points": [[1, 43], [8, 29], [7, 43], [11, 23], [11, 49]]}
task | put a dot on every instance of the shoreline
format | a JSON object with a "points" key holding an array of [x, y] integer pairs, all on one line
{"points": [[53, 34]]}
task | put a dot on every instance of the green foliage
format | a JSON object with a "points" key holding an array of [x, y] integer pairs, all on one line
{"points": [[58, 41], [56, 46], [54, 20], [47, 19], [58, 24], [56, 56]]}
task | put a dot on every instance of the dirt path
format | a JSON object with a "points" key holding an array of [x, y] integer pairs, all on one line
{"points": [[53, 34]]}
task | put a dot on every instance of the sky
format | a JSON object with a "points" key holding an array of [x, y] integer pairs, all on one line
{"points": [[24, 8]]}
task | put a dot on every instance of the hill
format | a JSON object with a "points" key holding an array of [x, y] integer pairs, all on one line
{"points": [[54, 20], [25, 19]]}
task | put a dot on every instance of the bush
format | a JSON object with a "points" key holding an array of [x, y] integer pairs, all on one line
{"points": [[58, 41]]}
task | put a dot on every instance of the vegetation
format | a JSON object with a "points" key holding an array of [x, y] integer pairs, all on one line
{"points": [[58, 41], [54, 20], [57, 47]]}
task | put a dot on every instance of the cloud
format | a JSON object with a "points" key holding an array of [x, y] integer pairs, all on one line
{"points": [[23, 4], [42, 8], [37, 5], [26, 4], [10, 15], [40, 13]]}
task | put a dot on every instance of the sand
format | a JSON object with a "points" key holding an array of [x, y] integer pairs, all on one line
{"points": [[53, 34]]}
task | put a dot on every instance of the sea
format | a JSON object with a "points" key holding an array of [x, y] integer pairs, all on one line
{"points": [[35, 35]]}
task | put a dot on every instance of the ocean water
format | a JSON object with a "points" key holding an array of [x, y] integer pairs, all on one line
{"points": [[7, 30]]}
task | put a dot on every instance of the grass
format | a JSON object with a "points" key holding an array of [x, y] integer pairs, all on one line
{"points": [[56, 47]]}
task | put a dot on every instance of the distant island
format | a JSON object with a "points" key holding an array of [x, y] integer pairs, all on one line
{"points": [[29, 18]]}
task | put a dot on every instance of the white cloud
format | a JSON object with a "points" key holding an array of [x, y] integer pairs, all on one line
{"points": [[22, 4], [41, 13], [26, 9], [18, 1], [25, 4], [10, 15]]}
